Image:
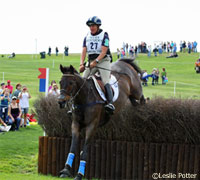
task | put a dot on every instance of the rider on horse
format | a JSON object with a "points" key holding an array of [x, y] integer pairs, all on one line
{"points": [[96, 45]]}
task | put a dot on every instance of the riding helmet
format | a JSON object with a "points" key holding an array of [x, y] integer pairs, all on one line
{"points": [[93, 20]]}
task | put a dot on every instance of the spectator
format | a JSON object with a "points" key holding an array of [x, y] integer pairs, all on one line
{"points": [[189, 47], [153, 76], [49, 51], [66, 49], [181, 46], [118, 53], [17, 91], [160, 49], [131, 51], [157, 76], [184, 46], [2, 88], [122, 53], [155, 50], [14, 113], [149, 51], [54, 91], [24, 97], [173, 55], [163, 75], [127, 49], [124, 46], [195, 46], [9, 86], [168, 47], [145, 77], [12, 55], [174, 48], [50, 87], [171, 46], [164, 47], [57, 51], [136, 50], [4, 127], [5, 99]]}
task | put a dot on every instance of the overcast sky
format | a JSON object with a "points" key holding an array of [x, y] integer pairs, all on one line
{"points": [[62, 22]]}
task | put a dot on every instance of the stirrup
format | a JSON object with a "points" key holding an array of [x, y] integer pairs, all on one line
{"points": [[110, 108]]}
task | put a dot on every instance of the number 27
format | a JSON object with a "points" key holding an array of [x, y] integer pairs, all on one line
{"points": [[93, 45]]}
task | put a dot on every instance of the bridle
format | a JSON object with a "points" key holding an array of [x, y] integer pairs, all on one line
{"points": [[77, 93], [72, 98]]}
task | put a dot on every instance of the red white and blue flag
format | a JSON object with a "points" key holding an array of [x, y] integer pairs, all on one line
{"points": [[44, 79]]}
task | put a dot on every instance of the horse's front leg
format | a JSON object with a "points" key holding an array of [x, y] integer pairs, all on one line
{"points": [[90, 130], [75, 140]]}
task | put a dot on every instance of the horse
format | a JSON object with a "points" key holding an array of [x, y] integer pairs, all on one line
{"points": [[88, 107]]}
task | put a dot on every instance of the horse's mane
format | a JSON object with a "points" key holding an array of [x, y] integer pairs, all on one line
{"points": [[132, 63]]}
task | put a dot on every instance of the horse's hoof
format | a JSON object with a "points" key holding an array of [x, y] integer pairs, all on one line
{"points": [[65, 173], [78, 177]]}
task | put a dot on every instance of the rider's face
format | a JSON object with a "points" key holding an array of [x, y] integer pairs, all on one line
{"points": [[93, 28]]}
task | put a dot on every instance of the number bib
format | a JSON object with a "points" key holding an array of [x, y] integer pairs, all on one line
{"points": [[94, 43]]}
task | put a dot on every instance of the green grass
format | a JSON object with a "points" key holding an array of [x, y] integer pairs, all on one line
{"points": [[19, 150], [179, 70], [24, 69], [19, 154]]}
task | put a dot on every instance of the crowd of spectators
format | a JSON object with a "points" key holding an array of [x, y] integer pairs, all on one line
{"points": [[155, 77], [43, 53], [169, 47], [14, 106], [66, 51]]}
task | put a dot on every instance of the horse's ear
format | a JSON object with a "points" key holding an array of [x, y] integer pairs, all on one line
{"points": [[71, 69], [61, 68]]}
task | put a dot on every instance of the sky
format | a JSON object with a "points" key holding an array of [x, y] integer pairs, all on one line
{"points": [[30, 26]]}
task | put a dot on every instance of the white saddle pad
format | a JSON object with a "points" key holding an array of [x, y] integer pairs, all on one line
{"points": [[114, 84]]}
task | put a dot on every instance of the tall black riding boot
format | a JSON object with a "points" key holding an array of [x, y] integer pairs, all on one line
{"points": [[109, 95]]}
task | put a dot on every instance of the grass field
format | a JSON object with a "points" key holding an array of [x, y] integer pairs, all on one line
{"points": [[24, 69], [18, 150]]}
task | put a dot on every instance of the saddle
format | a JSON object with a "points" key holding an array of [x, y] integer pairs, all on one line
{"points": [[101, 89]]}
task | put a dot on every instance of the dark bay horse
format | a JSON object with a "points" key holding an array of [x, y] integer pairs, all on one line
{"points": [[88, 107]]}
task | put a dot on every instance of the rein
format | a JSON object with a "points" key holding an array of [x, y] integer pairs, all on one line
{"points": [[77, 93], [110, 71]]}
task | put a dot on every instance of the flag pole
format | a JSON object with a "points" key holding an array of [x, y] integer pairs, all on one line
{"points": [[47, 82], [46, 86]]}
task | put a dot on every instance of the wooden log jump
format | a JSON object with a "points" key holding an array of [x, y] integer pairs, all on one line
{"points": [[120, 159]]}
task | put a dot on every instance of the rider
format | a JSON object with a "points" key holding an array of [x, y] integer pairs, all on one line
{"points": [[96, 44]]}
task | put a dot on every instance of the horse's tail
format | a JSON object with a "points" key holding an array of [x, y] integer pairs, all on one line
{"points": [[132, 63]]}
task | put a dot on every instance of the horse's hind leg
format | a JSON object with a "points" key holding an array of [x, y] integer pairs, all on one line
{"points": [[75, 138], [133, 101], [142, 100]]}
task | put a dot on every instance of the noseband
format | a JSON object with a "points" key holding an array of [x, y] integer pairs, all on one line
{"points": [[77, 93]]}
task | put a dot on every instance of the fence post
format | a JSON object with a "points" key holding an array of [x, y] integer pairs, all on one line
{"points": [[3, 76], [174, 88], [53, 63]]}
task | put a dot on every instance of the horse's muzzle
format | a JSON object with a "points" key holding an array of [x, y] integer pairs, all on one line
{"points": [[61, 101]]}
